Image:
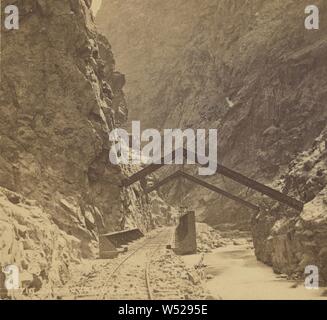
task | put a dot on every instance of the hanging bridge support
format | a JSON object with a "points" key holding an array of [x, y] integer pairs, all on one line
{"points": [[231, 174], [204, 184]]}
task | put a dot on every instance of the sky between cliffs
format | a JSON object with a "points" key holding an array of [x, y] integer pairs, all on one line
{"points": [[96, 4]]}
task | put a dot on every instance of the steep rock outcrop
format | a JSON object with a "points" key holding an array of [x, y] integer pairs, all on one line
{"points": [[147, 48], [60, 96], [30, 240], [289, 242], [248, 68]]}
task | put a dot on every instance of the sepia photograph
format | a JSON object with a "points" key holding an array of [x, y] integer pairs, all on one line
{"points": [[168, 151]]}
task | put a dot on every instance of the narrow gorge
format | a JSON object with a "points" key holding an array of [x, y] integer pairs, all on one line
{"points": [[251, 70], [75, 70]]}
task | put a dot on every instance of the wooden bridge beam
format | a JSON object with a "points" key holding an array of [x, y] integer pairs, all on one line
{"points": [[205, 185], [231, 174]]}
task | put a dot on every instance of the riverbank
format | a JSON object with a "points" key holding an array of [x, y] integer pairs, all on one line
{"points": [[233, 272]]}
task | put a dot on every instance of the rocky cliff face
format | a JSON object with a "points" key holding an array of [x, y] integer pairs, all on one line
{"points": [[60, 96], [30, 240], [147, 47], [250, 69], [291, 242]]}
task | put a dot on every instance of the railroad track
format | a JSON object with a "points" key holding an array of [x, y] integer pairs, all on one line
{"points": [[148, 249], [112, 281], [146, 272]]}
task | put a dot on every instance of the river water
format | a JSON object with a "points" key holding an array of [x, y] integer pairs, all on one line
{"points": [[236, 274]]}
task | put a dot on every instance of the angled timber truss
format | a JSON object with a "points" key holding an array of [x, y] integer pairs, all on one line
{"points": [[231, 174], [182, 174]]}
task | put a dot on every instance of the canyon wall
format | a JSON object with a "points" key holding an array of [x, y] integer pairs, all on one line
{"points": [[251, 70], [291, 241], [60, 96], [248, 68]]}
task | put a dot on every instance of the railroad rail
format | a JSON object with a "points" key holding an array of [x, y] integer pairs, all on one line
{"points": [[101, 285], [151, 246]]}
